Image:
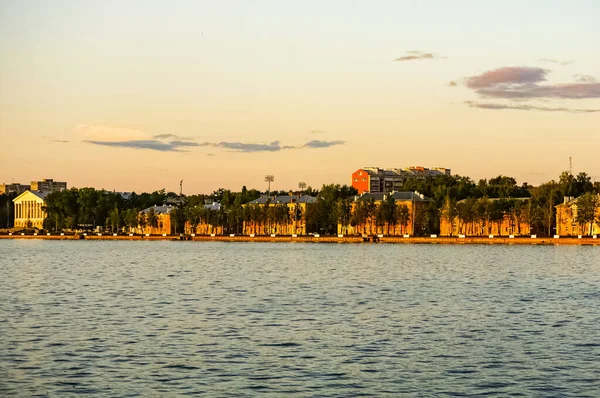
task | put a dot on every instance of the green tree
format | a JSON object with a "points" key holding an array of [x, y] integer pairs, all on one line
{"points": [[587, 205], [142, 221]]}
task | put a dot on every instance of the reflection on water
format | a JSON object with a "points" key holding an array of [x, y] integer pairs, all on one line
{"points": [[238, 319]]}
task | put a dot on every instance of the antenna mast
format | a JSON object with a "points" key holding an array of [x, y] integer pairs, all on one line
{"points": [[570, 165]]}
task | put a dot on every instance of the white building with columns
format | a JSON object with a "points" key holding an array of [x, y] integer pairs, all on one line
{"points": [[29, 211]]}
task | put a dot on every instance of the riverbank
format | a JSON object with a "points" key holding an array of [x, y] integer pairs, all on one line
{"points": [[329, 239]]}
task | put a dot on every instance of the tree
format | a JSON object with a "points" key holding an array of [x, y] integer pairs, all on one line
{"points": [[115, 220], [343, 210], [451, 212], [131, 219], [403, 216], [587, 205], [152, 219], [142, 221]]}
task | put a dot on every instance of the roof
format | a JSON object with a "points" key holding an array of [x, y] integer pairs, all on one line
{"points": [[40, 194], [405, 196], [213, 206], [164, 209], [570, 201], [284, 199], [494, 199], [124, 195]]}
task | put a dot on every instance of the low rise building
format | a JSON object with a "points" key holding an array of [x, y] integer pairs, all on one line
{"points": [[378, 180], [567, 223], [487, 216], [155, 220], [284, 215], [407, 218], [29, 210]]}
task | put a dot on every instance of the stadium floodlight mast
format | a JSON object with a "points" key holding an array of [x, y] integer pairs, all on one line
{"points": [[269, 179]]}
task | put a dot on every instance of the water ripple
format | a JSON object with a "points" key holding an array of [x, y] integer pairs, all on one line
{"points": [[129, 319]]}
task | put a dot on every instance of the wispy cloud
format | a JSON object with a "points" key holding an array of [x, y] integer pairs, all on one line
{"points": [[172, 137], [60, 141], [416, 55], [452, 84], [274, 146], [515, 75], [555, 61], [322, 144], [245, 147], [522, 82], [525, 107], [183, 143], [154, 145], [584, 79]]}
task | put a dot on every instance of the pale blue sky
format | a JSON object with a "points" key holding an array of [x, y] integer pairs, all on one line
{"points": [[254, 72]]}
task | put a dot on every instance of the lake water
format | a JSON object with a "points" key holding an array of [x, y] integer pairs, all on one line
{"points": [[119, 319]]}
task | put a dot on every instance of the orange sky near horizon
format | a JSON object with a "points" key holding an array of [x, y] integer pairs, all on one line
{"points": [[120, 97]]}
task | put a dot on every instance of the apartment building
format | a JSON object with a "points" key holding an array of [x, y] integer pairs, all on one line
{"points": [[378, 180], [15, 188], [48, 184]]}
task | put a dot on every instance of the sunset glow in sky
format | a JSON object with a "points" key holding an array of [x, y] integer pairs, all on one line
{"points": [[137, 95]]}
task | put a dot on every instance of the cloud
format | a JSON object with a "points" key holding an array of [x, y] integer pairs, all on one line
{"points": [[452, 84], [522, 82], [183, 143], [555, 61], [525, 107], [416, 55], [322, 144], [172, 136], [507, 76], [274, 146], [60, 141], [584, 79], [140, 144], [245, 147]]}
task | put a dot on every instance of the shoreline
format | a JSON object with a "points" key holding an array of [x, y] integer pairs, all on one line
{"points": [[588, 241]]}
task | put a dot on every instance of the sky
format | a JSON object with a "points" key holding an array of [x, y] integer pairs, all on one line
{"points": [[138, 95]]}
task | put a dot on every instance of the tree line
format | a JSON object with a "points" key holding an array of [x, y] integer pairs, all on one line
{"points": [[461, 196]]}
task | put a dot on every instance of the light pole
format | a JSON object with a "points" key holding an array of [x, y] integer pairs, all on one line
{"points": [[301, 186], [269, 179]]}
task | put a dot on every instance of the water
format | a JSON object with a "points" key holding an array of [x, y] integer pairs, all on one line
{"points": [[117, 319]]}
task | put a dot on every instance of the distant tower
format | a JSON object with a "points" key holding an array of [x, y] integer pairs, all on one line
{"points": [[180, 189]]}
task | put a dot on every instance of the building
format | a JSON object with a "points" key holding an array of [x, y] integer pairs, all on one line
{"points": [[284, 215], [48, 184], [407, 219], [210, 221], [377, 180], [29, 210], [475, 217], [566, 219], [14, 188], [161, 224]]}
